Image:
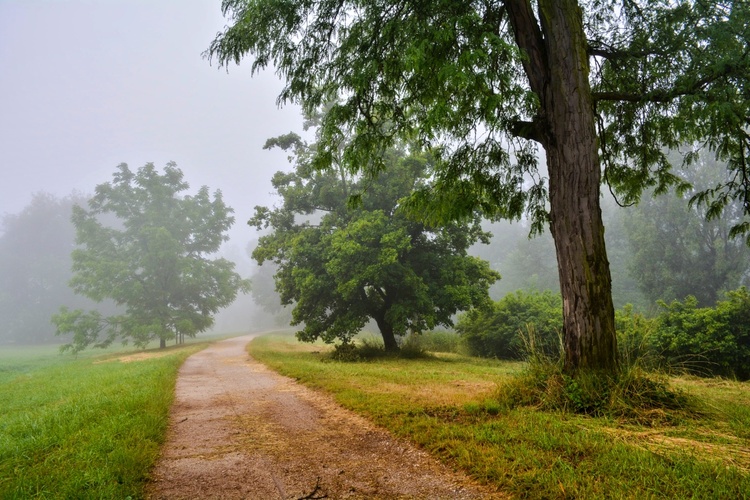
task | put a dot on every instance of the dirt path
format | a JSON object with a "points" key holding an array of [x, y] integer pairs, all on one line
{"points": [[240, 430]]}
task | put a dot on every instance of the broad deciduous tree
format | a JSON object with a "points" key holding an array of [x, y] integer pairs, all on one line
{"points": [[146, 247], [341, 266], [601, 86]]}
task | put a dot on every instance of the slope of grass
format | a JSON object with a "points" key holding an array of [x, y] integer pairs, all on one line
{"points": [[83, 427], [448, 406]]}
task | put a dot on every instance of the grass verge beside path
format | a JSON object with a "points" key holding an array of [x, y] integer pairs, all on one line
{"points": [[446, 406], [83, 427]]}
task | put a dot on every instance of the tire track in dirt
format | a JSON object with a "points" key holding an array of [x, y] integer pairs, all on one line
{"points": [[240, 430]]}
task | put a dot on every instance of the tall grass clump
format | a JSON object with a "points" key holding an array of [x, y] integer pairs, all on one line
{"points": [[632, 393]]}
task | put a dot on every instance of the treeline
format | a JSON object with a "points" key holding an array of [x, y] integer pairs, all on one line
{"points": [[35, 268]]}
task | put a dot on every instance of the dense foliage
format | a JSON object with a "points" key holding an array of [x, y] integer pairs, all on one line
{"points": [[601, 86], [341, 264], [706, 340], [497, 332], [683, 337], [152, 257]]}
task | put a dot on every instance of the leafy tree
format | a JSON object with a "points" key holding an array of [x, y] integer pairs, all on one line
{"points": [[153, 259], [677, 251], [601, 86], [341, 266], [35, 262]]}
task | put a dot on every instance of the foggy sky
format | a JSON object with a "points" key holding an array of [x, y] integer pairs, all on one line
{"points": [[86, 85]]}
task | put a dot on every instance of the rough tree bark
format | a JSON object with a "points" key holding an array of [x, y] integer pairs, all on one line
{"points": [[558, 70]]}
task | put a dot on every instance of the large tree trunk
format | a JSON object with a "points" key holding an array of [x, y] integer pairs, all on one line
{"points": [[386, 330], [558, 71], [574, 178]]}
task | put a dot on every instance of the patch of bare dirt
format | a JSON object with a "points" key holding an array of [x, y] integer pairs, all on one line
{"points": [[240, 430]]}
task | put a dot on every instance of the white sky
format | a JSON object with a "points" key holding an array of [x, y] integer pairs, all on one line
{"points": [[86, 85]]}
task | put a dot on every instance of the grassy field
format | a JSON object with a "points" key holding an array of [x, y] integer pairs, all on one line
{"points": [[447, 406], [83, 427]]}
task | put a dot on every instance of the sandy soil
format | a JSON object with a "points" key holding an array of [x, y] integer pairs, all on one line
{"points": [[240, 430]]}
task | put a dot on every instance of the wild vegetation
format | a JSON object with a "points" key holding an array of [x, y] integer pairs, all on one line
{"points": [[681, 338], [89, 426], [457, 408]]}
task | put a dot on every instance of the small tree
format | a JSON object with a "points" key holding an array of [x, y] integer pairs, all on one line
{"points": [[151, 258], [341, 266]]}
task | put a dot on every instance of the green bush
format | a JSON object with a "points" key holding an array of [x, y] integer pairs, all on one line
{"points": [[705, 340], [495, 332]]}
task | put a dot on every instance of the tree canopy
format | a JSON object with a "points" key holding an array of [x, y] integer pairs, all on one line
{"points": [[604, 87], [341, 265], [147, 248]]}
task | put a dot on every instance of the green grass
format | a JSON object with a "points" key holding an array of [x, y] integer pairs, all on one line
{"points": [[448, 406], [83, 427]]}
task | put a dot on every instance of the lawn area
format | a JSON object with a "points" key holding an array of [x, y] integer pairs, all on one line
{"points": [[446, 405], [83, 427]]}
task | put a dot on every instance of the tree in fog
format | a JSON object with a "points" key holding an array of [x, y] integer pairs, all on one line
{"points": [[147, 248], [35, 247], [602, 86], [345, 252], [678, 251], [264, 291], [526, 263]]}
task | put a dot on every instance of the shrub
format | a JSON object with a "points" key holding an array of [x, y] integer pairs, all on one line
{"points": [[495, 332], [368, 347], [707, 341]]}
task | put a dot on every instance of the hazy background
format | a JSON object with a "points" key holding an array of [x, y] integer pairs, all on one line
{"points": [[86, 85]]}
